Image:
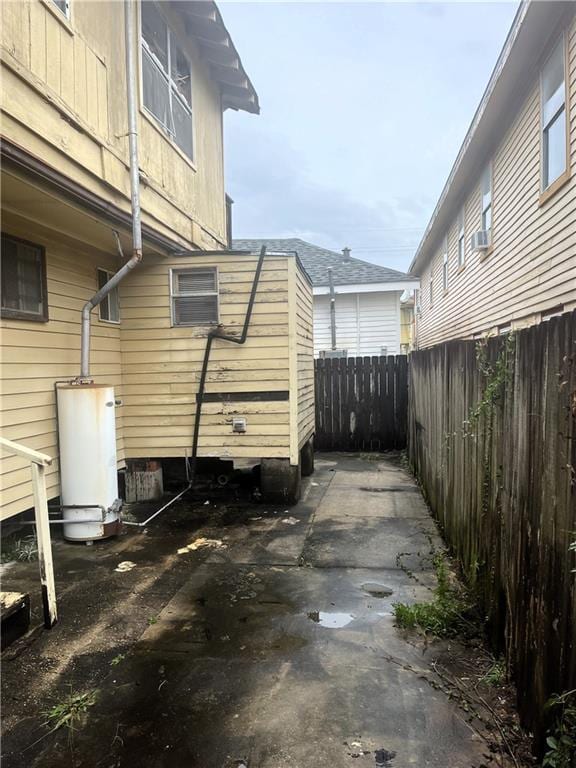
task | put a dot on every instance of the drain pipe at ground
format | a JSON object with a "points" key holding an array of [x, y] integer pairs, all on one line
{"points": [[136, 257]]}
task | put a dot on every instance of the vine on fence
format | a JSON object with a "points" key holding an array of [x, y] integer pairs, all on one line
{"points": [[495, 374]]}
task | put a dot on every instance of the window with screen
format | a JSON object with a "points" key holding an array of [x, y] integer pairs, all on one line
{"points": [[24, 294], [486, 201], [109, 307], [554, 122], [166, 78], [461, 239], [194, 295]]}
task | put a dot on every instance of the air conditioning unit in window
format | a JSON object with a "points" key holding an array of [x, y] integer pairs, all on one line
{"points": [[480, 241]]}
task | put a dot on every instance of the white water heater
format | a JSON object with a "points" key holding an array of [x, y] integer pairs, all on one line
{"points": [[88, 474]]}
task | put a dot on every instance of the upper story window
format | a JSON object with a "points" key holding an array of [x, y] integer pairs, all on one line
{"points": [[166, 78], [431, 288], [109, 307], [24, 293], [64, 6], [445, 265], [554, 116], [486, 200], [461, 239], [194, 296]]}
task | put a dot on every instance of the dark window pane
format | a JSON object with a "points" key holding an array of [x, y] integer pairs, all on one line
{"points": [[180, 72], [63, 5], [555, 149], [154, 32], [156, 94], [182, 126], [192, 310], [196, 281], [22, 277]]}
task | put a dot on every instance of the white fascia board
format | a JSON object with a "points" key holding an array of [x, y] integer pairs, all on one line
{"points": [[405, 285]]}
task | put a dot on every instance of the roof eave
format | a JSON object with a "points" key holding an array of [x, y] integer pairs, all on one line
{"points": [[205, 25]]}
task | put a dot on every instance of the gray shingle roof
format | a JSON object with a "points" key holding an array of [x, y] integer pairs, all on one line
{"points": [[316, 261]]}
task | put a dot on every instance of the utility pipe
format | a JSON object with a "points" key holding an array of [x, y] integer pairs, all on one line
{"points": [[136, 257], [332, 309]]}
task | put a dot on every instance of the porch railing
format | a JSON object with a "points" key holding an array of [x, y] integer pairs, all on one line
{"points": [[38, 463]]}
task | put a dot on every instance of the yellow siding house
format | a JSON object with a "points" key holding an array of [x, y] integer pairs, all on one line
{"points": [[66, 221]]}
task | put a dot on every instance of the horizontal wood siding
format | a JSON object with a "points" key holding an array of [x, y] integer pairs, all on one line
{"points": [[305, 357], [64, 100], [161, 364], [365, 322], [502, 487], [36, 355], [532, 268]]}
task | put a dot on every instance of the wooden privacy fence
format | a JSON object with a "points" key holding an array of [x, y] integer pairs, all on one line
{"points": [[361, 403], [492, 437]]}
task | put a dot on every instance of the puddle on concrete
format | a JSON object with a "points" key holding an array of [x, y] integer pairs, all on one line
{"points": [[376, 590], [330, 619]]}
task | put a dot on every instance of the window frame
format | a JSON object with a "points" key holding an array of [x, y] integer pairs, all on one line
{"points": [[431, 289], [19, 314], [547, 191], [173, 295], [171, 84], [445, 281], [487, 173], [107, 298], [461, 237]]}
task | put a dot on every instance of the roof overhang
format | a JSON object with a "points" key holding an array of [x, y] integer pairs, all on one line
{"points": [[204, 24], [533, 27], [399, 287]]}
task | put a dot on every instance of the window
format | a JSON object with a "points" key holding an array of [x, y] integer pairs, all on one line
{"points": [[63, 5], [109, 307], [194, 294], [486, 193], [431, 289], [445, 265], [553, 109], [166, 78], [461, 240], [24, 294]]}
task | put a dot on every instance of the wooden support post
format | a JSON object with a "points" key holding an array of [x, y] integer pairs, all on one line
{"points": [[44, 545]]}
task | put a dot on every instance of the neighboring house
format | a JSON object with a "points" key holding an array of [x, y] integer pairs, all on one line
{"points": [[66, 198], [500, 250], [368, 315]]}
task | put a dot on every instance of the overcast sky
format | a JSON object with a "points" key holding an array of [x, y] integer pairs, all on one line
{"points": [[364, 107]]}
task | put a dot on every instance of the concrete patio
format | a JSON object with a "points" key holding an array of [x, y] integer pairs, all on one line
{"points": [[273, 647]]}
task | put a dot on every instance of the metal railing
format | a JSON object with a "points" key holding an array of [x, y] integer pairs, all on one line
{"points": [[38, 463]]}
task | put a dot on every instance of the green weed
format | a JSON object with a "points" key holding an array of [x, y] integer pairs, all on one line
{"points": [[23, 549], [561, 740], [67, 713], [117, 659], [496, 675], [152, 620], [446, 615]]}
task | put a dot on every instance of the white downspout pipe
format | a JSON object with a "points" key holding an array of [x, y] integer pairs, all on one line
{"points": [[136, 257]]}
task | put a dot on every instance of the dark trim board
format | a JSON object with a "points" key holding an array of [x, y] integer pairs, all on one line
{"points": [[245, 397]]}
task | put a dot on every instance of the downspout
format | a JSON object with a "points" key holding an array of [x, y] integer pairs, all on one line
{"points": [[332, 309], [136, 257]]}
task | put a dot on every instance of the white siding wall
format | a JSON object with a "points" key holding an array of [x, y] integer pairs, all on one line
{"points": [[365, 322]]}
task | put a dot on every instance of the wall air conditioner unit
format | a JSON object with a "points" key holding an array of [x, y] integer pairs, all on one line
{"points": [[480, 241], [331, 353]]}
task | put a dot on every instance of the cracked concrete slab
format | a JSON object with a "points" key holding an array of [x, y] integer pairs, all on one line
{"points": [[277, 649]]}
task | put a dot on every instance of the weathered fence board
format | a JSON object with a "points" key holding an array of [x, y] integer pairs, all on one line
{"points": [[503, 485], [361, 403]]}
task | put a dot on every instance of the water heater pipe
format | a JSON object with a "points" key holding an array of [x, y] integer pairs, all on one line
{"points": [[136, 257]]}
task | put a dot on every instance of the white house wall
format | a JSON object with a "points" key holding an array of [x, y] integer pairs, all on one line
{"points": [[365, 322]]}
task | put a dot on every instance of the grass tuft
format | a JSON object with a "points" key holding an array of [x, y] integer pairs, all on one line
{"points": [[67, 713], [447, 615]]}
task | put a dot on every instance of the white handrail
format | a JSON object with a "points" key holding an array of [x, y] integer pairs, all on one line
{"points": [[38, 463]]}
